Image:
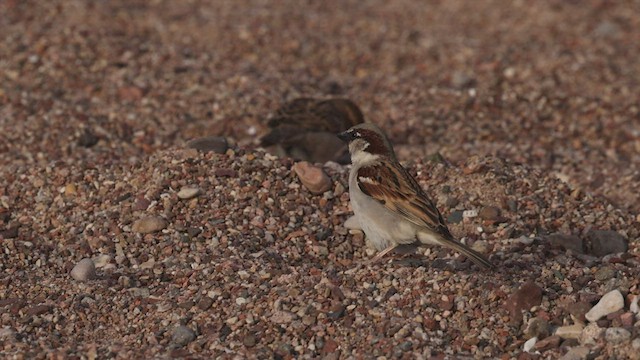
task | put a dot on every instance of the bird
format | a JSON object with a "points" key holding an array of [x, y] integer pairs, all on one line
{"points": [[305, 128], [389, 204]]}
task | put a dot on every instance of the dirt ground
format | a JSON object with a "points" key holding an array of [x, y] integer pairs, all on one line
{"points": [[535, 105]]}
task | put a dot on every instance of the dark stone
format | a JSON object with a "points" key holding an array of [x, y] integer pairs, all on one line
{"points": [[337, 311], [526, 297], [87, 139], [579, 309], [249, 340], [225, 172], [550, 342], [9, 233], [604, 242], [455, 217], [205, 303], [538, 327], [489, 213]]}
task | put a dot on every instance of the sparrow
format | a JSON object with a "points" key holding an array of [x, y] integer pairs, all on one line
{"points": [[305, 129], [391, 207]]}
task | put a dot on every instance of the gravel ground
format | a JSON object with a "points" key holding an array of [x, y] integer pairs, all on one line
{"points": [[202, 254]]}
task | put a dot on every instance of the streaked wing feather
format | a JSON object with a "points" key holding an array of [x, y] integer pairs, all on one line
{"points": [[397, 190]]}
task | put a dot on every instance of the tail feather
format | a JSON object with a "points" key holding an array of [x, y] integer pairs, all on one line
{"points": [[473, 255]]}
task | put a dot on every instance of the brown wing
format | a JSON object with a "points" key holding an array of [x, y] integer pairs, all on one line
{"points": [[333, 115], [396, 189]]}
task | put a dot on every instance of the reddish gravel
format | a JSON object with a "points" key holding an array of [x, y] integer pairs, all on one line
{"points": [[534, 106]]}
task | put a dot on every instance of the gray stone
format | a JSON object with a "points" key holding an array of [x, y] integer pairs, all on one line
{"points": [[455, 217], [84, 270], [603, 242], [182, 335]]}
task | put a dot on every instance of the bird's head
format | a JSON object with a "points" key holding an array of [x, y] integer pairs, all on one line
{"points": [[367, 141]]}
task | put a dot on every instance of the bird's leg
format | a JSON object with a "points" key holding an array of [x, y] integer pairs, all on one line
{"points": [[382, 253]]}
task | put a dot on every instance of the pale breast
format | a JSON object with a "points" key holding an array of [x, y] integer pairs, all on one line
{"points": [[381, 226]]}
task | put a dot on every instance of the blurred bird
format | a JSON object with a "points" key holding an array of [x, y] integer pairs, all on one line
{"points": [[306, 128]]}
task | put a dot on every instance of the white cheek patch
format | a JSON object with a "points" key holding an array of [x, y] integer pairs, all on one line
{"points": [[363, 158]]}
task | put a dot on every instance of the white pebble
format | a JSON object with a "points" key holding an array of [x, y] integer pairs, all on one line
{"points": [[84, 270], [243, 274], [529, 344], [610, 302], [634, 304], [188, 192], [467, 214], [241, 301]]}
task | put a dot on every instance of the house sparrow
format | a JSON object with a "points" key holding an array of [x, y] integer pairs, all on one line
{"points": [[305, 129], [389, 204]]}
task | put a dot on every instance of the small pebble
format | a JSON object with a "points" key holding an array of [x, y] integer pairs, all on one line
{"points": [[249, 340], [604, 273], [617, 335], [84, 270], [576, 353], [182, 335], [283, 317], [627, 319], [529, 344], [102, 260], [610, 302], [205, 303], [579, 310], [188, 192], [634, 304], [455, 217], [570, 331], [547, 343], [590, 334], [526, 297], [149, 224], [538, 328], [481, 246], [312, 177], [470, 214], [489, 213], [635, 344]]}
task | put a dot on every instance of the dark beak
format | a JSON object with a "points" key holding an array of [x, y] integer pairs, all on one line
{"points": [[345, 136]]}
